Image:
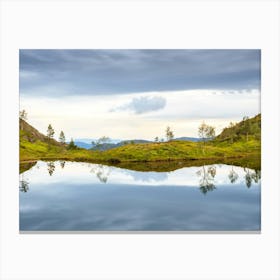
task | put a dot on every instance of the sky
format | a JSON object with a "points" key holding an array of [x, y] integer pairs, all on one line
{"points": [[136, 94]]}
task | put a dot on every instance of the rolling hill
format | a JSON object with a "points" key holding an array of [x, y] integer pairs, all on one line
{"points": [[246, 129]]}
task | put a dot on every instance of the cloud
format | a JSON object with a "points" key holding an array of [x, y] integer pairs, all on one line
{"points": [[108, 72], [143, 104]]}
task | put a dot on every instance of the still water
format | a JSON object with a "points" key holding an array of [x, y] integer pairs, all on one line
{"points": [[71, 196]]}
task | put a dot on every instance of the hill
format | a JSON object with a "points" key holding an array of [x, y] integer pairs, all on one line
{"points": [[31, 134], [34, 144], [246, 129]]}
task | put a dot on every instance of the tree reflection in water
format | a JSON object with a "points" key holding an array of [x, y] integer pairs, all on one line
{"points": [[251, 176], [102, 172], [233, 176], [207, 176], [23, 184], [51, 167], [62, 163]]}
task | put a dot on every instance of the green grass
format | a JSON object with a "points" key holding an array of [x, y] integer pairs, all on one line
{"points": [[150, 152]]}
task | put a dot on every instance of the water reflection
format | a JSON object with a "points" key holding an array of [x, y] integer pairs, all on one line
{"points": [[251, 175], [82, 196], [233, 176], [23, 186], [101, 171], [51, 167], [23, 183], [206, 174], [147, 176], [206, 181]]}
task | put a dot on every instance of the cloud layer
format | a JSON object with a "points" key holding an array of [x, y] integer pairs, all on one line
{"points": [[59, 73], [142, 115]]}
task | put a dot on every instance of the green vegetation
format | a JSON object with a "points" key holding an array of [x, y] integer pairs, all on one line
{"points": [[71, 145], [247, 129], [238, 142]]}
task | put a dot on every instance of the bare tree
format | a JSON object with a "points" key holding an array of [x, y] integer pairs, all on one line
{"points": [[169, 134], [206, 132]]}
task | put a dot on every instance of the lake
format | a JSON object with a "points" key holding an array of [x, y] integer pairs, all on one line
{"points": [[73, 196]]}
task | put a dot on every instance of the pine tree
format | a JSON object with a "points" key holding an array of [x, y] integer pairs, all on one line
{"points": [[62, 137], [71, 145], [50, 132]]}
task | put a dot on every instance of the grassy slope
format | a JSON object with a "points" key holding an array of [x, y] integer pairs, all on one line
{"points": [[33, 147], [237, 132], [183, 150]]}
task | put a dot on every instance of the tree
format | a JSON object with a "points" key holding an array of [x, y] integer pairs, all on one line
{"points": [[62, 137], [246, 126], [205, 132], [23, 115], [232, 133], [50, 132], [156, 139], [102, 140], [169, 134], [71, 145]]}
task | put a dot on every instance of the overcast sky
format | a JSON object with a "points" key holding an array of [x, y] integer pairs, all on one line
{"points": [[129, 94]]}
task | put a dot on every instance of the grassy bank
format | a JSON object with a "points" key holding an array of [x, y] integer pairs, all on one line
{"points": [[233, 143], [151, 152]]}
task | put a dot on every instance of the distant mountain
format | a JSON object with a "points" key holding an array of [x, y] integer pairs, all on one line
{"points": [[82, 144], [87, 143], [193, 139], [89, 140], [108, 146], [135, 141]]}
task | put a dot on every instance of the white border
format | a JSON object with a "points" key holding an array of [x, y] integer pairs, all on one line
{"points": [[156, 24]]}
